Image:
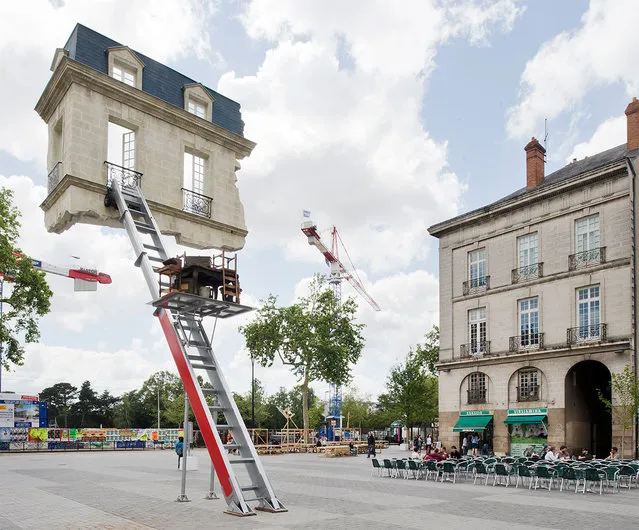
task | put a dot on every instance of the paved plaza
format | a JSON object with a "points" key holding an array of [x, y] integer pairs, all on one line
{"points": [[132, 490]]}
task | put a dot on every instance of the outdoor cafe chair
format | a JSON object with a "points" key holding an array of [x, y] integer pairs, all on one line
{"points": [[389, 467], [400, 469], [569, 475], [449, 469], [377, 468], [501, 474], [612, 477], [524, 473], [592, 476], [545, 474], [480, 470], [626, 474], [414, 468], [431, 468]]}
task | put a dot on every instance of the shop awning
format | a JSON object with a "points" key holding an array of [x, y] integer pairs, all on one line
{"points": [[472, 423], [525, 418]]}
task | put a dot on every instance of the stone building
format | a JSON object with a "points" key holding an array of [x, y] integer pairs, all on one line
{"points": [[537, 305], [114, 113]]}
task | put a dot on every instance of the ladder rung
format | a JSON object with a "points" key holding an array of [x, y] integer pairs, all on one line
{"points": [[143, 227], [151, 247], [203, 367], [241, 460], [198, 344], [250, 499], [223, 426], [231, 446], [249, 488], [198, 358], [210, 391], [155, 258], [216, 408]]}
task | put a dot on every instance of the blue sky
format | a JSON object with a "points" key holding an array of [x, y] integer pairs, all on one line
{"points": [[382, 121]]}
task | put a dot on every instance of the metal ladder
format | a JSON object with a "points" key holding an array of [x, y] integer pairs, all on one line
{"points": [[193, 355]]}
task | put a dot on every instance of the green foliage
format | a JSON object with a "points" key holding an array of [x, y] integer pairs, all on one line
{"points": [[355, 409], [411, 392], [316, 337], [60, 398], [87, 403], [625, 391], [30, 295], [428, 353]]}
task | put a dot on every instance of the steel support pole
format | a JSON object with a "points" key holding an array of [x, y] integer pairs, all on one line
{"points": [[252, 392], [211, 494], [182, 497], [1, 345]]}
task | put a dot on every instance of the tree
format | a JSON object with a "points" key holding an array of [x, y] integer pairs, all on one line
{"points": [[428, 353], [411, 392], [87, 402], [105, 408], [168, 387], [317, 337], [59, 397], [355, 409], [625, 403], [30, 295]]}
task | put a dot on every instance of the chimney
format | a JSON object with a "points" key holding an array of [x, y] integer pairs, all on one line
{"points": [[632, 123], [535, 162]]}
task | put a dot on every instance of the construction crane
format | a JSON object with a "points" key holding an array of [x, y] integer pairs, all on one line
{"points": [[338, 271]]}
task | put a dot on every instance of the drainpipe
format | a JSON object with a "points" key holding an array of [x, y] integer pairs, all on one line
{"points": [[633, 175]]}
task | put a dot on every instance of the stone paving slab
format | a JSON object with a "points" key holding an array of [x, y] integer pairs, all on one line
{"points": [[136, 490]]}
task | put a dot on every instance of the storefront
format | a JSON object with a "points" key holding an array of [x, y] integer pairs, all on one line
{"points": [[528, 430], [475, 421]]}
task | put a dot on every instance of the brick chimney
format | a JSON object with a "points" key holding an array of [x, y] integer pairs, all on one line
{"points": [[535, 162], [632, 123]]}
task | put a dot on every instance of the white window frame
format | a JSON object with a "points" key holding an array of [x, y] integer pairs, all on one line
{"points": [[197, 175], [477, 268], [588, 313], [477, 331], [528, 378], [125, 74], [528, 319], [587, 233], [528, 250], [128, 150], [197, 108]]}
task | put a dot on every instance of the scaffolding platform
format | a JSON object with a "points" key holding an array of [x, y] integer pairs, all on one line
{"points": [[199, 305]]}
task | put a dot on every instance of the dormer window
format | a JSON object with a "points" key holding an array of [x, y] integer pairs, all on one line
{"points": [[197, 108], [124, 74], [199, 101]]}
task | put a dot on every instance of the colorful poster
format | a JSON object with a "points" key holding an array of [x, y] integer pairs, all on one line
{"points": [[6, 415], [5, 434], [38, 434], [27, 414]]}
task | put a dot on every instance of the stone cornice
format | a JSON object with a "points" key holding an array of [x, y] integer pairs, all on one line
{"points": [[70, 180], [534, 355], [69, 71], [542, 193]]}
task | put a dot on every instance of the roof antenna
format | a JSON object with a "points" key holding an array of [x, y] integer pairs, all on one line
{"points": [[546, 139]]}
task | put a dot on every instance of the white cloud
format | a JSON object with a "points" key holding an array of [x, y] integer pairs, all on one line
{"points": [[571, 64], [31, 30], [610, 133]]}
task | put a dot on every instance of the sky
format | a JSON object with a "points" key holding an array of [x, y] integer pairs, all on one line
{"points": [[379, 120]]}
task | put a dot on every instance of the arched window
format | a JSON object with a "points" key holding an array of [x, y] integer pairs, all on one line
{"points": [[477, 391]]}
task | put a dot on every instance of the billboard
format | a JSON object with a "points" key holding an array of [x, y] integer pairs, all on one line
{"points": [[21, 410]]}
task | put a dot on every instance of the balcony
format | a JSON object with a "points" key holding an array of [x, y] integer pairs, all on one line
{"points": [[127, 178], [54, 177], [588, 258], [586, 334], [530, 272], [197, 203], [476, 285], [528, 393], [476, 395], [474, 350], [524, 343]]}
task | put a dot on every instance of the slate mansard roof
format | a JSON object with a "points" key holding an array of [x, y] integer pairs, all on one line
{"points": [[89, 47], [574, 169]]}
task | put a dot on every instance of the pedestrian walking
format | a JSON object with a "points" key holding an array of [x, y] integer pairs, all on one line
{"points": [[179, 449], [371, 445]]}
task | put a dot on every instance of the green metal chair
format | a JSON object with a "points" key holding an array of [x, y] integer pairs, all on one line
{"points": [[568, 475], [626, 474], [612, 477], [480, 470], [545, 474], [449, 469], [389, 467], [501, 474], [431, 468], [414, 468], [401, 469], [592, 476], [523, 473], [377, 468]]}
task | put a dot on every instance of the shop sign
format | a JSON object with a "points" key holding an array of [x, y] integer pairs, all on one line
{"points": [[527, 412], [476, 413]]}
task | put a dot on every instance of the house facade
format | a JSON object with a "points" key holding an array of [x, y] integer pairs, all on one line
{"points": [[537, 306], [114, 113]]}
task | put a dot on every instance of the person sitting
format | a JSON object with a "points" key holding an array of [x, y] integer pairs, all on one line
{"points": [[563, 453], [454, 453], [614, 454], [550, 455], [585, 455], [434, 455], [443, 453], [353, 449]]}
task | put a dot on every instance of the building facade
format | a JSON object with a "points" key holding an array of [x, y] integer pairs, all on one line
{"points": [[114, 113], [537, 306]]}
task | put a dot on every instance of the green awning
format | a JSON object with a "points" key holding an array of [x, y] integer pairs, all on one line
{"points": [[525, 418], [472, 423]]}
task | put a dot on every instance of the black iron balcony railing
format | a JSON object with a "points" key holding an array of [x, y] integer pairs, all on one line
{"points": [[531, 341], [477, 395], [54, 177], [530, 272], [528, 393], [476, 285], [197, 203], [479, 348], [127, 178], [587, 258], [594, 333]]}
